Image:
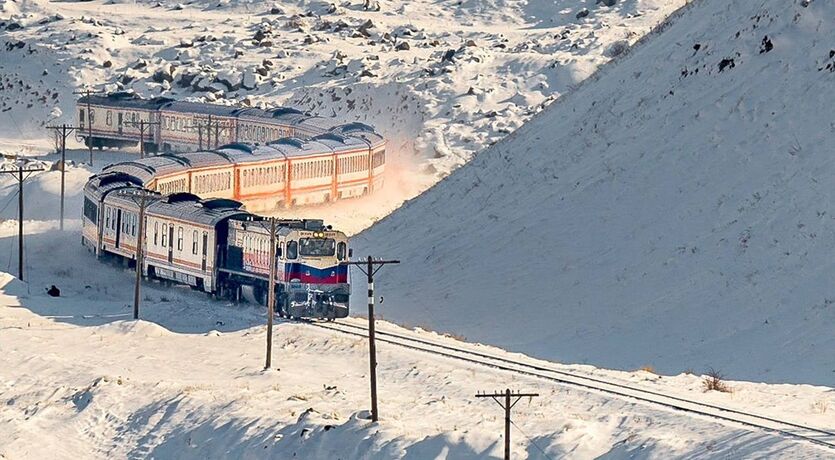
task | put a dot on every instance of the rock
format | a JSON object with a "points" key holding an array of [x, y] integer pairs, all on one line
{"points": [[186, 43], [230, 80], [140, 64], [403, 46], [250, 80], [367, 73], [275, 9], [107, 64], [371, 5], [281, 54], [166, 73], [186, 79], [365, 27], [266, 43], [448, 56], [12, 26], [262, 71], [470, 43], [609, 3], [125, 79], [202, 83], [267, 64], [178, 7], [582, 13]]}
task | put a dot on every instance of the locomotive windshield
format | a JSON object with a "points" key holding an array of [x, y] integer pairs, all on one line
{"points": [[317, 247]]}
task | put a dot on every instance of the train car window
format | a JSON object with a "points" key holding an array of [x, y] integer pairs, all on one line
{"points": [[340, 250], [92, 116], [180, 238], [156, 233], [108, 119], [133, 221], [81, 117], [165, 235], [292, 250], [194, 242], [106, 217]]}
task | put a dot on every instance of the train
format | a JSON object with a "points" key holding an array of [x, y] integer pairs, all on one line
{"points": [[214, 245], [265, 159]]}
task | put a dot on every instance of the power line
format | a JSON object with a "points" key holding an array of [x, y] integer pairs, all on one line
{"points": [[20, 181], [532, 441], [505, 404]]}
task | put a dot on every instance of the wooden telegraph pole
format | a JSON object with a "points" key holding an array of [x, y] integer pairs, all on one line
{"points": [[89, 93], [64, 130], [142, 126], [142, 198], [370, 267], [507, 406], [271, 295], [20, 180]]}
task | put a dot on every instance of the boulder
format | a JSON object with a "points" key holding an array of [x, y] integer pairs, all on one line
{"points": [[582, 13], [403, 46]]}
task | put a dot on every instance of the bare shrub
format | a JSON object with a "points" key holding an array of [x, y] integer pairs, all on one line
{"points": [[820, 406], [714, 381]]}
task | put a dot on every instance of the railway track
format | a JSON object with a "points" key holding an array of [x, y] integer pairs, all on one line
{"points": [[773, 425]]}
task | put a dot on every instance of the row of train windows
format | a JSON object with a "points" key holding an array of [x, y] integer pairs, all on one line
{"points": [[311, 169], [353, 164], [162, 239], [174, 186], [128, 221], [249, 133], [213, 182], [129, 117], [171, 123], [262, 175]]}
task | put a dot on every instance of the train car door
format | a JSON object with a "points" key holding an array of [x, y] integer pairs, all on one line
{"points": [[170, 243], [120, 122], [205, 246], [118, 226]]}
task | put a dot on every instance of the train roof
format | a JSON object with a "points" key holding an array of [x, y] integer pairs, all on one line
{"points": [[125, 99], [191, 208], [202, 108]]}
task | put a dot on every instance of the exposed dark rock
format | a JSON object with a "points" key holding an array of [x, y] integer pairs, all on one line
{"points": [[403, 46], [107, 64], [766, 45], [726, 63], [582, 13]]}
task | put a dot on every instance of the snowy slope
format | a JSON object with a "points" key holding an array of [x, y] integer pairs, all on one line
{"points": [[675, 211], [505, 59]]}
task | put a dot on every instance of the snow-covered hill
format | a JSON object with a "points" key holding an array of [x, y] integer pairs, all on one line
{"points": [[441, 79], [675, 211]]}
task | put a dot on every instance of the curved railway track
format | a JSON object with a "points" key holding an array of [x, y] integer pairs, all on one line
{"points": [[776, 426]]}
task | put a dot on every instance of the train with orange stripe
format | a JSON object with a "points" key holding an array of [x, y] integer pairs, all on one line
{"points": [[215, 246], [265, 159]]}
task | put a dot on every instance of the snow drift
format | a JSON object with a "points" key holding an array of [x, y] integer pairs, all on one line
{"points": [[674, 211]]}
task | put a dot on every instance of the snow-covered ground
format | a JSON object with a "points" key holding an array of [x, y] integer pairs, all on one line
{"points": [[441, 79], [675, 211], [79, 379]]}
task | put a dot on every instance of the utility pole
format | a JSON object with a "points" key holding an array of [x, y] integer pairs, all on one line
{"points": [[142, 125], [507, 406], [371, 268], [20, 180], [88, 93], [209, 124], [271, 296], [141, 197], [65, 130]]}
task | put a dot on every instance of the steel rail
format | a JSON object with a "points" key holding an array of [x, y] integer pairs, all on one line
{"points": [[592, 383]]}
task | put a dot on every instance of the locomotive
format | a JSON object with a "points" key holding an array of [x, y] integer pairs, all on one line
{"points": [[215, 246], [264, 159]]}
